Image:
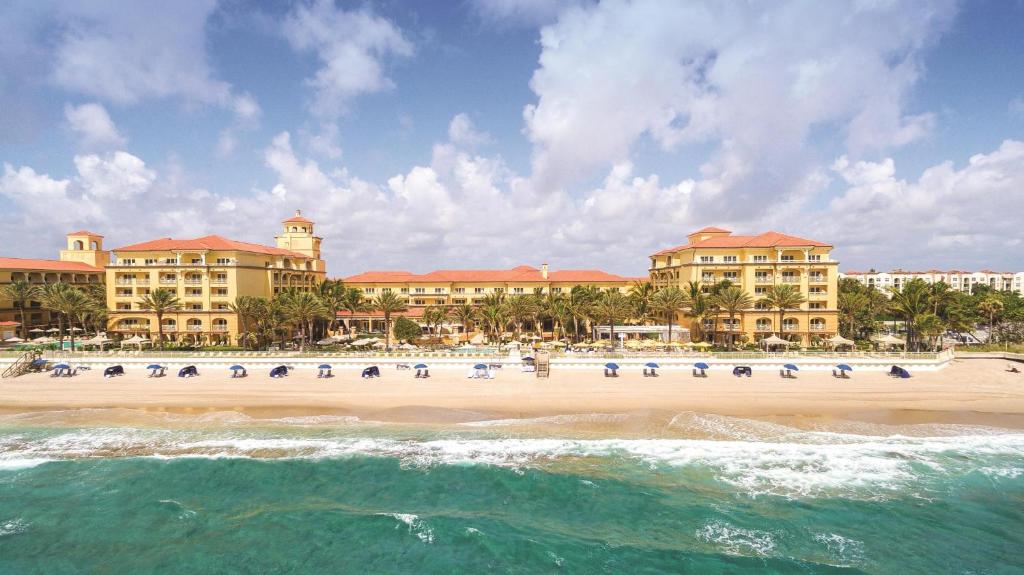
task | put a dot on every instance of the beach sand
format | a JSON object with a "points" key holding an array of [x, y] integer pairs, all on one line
{"points": [[968, 391]]}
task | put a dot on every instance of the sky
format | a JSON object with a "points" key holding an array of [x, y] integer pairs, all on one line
{"points": [[484, 133]]}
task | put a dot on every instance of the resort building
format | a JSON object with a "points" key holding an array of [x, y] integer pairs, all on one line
{"points": [[957, 280], [457, 287], [207, 274], [754, 263], [80, 264]]}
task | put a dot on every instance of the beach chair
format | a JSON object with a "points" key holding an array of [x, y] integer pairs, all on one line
{"points": [[835, 374], [647, 372]]}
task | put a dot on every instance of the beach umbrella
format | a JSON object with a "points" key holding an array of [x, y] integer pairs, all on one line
{"points": [[74, 329], [62, 366], [37, 330], [39, 361], [890, 340], [14, 339], [326, 341], [775, 340], [701, 365], [480, 366], [612, 365], [236, 368], [53, 330], [651, 364], [791, 367], [527, 358], [844, 367], [421, 366], [154, 366], [559, 343], [324, 366]]}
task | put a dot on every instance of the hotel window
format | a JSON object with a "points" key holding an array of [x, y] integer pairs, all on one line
{"points": [[128, 262], [817, 290], [477, 300], [538, 290], [788, 258], [419, 302], [197, 261], [458, 301], [499, 290], [370, 290], [460, 290], [478, 290], [730, 275], [758, 290], [816, 305], [223, 261], [195, 307], [814, 258], [614, 289], [438, 290], [790, 277], [124, 307], [556, 290], [419, 290], [404, 290], [729, 259], [763, 277], [707, 278], [220, 291], [150, 261], [221, 306], [760, 259], [385, 290], [517, 290], [707, 259]]}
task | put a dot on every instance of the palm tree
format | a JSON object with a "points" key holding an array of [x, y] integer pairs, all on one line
{"points": [[783, 297], [463, 314], [640, 295], [581, 298], [910, 302], [852, 304], [21, 293], [612, 307], [940, 295], [352, 301], [669, 301], [54, 297], [332, 296], [991, 305], [388, 303], [246, 307], [302, 308], [732, 300], [520, 309], [97, 315], [931, 326], [493, 314], [160, 301]]}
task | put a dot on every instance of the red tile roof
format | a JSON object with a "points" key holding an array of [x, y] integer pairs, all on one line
{"points": [[711, 230], [8, 323], [84, 233], [207, 243], [47, 265], [517, 274], [765, 240], [297, 218]]}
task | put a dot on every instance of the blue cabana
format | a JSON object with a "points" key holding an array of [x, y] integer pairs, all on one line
{"points": [[611, 370], [238, 371], [188, 371], [898, 371], [741, 370], [279, 371], [325, 370], [650, 369], [113, 370]]}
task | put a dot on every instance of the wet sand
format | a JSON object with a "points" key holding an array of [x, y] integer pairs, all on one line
{"points": [[977, 392]]}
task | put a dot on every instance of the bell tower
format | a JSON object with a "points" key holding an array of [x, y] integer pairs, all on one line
{"points": [[87, 248], [298, 236]]}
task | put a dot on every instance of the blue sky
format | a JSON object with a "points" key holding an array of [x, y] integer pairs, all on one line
{"points": [[489, 133]]}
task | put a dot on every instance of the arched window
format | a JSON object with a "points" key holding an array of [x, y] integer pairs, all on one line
{"points": [[295, 229], [764, 324], [78, 245], [194, 324], [818, 324], [220, 324], [94, 245], [791, 323]]}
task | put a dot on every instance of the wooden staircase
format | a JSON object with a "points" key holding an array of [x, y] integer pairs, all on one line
{"points": [[543, 361], [21, 365]]}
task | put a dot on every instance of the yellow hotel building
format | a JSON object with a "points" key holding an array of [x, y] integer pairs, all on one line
{"points": [[754, 263], [80, 264], [457, 287], [207, 274]]}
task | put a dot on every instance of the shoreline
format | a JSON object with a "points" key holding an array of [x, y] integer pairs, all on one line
{"points": [[974, 392]]}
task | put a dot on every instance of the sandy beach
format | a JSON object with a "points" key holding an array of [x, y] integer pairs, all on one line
{"points": [[970, 391]]}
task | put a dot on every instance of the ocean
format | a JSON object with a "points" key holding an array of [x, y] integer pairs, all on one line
{"points": [[225, 493]]}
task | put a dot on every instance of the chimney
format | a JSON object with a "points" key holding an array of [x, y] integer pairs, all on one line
{"points": [[544, 271]]}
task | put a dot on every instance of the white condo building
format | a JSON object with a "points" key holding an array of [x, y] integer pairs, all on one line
{"points": [[958, 280]]}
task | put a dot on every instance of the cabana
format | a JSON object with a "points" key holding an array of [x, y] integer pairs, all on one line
{"points": [[279, 371], [113, 371], [702, 367], [238, 371], [787, 371], [775, 340], [14, 339], [372, 371], [843, 371], [422, 371], [529, 364], [98, 340], [899, 372], [188, 371], [650, 369], [480, 371], [611, 370], [156, 370], [741, 370], [889, 340], [325, 371], [838, 340], [136, 340]]}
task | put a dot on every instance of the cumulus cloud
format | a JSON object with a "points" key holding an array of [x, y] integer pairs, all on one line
{"points": [[92, 124], [461, 131], [751, 80], [128, 52], [351, 45]]}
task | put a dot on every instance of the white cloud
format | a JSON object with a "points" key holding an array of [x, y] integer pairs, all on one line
{"points": [[521, 12], [128, 52], [350, 45], [120, 175], [93, 126], [753, 80], [462, 132]]}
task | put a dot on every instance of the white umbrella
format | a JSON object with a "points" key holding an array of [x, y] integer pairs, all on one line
{"points": [[14, 339], [37, 330], [838, 340], [75, 329], [775, 340], [43, 339], [477, 339], [889, 340], [53, 330], [407, 346]]}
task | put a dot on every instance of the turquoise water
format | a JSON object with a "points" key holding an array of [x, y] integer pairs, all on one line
{"points": [[346, 497]]}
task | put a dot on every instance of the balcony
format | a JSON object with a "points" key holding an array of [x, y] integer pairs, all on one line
{"points": [[220, 328], [142, 281], [762, 279], [817, 327], [193, 281], [219, 281], [168, 282], [817, 279], [124, 281], [817, 295], [123, 294], [170, 328], [194, 328], [790, 280]]}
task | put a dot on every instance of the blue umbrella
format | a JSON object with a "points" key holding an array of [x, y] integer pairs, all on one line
{"points": [[612, 365], [651, 364], [62, 366], [527, 358], [38, 362], [324, 366], [844, 367], [154, 366], [424, 366], [701, 365], [236, 368], [791, 367], [479, 366]]}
